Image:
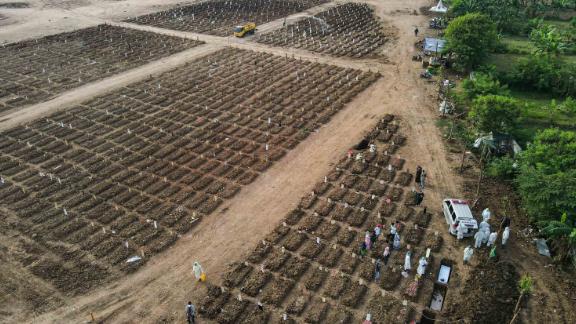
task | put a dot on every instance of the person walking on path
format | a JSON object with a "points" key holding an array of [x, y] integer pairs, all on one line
{"points": [[197, 269], [190, 313], [416, 31], [422, 180], [418, 174]]}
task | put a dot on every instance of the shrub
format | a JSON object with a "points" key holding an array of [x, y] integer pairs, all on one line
{"points": [[503, 168], [483, 84], [544, 73]]}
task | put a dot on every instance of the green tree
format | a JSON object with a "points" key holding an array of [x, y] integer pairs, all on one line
{"points": [[494, 113], [547, 177], [508, 15], [547, 40], [470, 38]]}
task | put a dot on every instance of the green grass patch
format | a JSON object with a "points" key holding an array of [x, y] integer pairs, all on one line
{"points": [[503, 62], [560, 24], [536, 116], [517, 44]]}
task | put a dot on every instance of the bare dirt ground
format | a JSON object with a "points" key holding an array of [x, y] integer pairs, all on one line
{"points": [[158, 292]]}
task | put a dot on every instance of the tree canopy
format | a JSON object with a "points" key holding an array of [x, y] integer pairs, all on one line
{"points": [[470, 37], [547, 177], [494, 113]]}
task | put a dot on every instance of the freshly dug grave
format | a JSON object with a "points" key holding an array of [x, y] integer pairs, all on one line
{"points": [[491, 293], [433, 241]]}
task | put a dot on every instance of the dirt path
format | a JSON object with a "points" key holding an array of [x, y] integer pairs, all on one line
{"points": [[57, 16], [158, 291]]}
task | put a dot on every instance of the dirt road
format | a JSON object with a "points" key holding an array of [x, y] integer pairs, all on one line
{"points": [[159, 290]]}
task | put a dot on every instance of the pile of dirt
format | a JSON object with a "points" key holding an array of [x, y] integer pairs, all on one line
{"points": [[490, 295], [502, 200]]}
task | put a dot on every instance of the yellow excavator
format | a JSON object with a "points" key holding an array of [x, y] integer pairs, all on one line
{"points": [[248, 28]]}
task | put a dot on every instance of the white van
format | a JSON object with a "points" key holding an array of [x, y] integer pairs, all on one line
{"points": [[457, 211]]}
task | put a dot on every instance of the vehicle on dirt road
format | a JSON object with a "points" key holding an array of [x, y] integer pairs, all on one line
{"points": [[248, 28], [457, 211]]}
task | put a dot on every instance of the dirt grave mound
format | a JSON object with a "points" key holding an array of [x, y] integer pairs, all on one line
{"points": [[490, 294]]}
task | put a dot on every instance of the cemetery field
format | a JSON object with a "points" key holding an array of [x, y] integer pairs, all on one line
{"points": [[140, 136]]}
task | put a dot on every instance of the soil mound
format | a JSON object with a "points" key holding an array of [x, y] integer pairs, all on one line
{"points": [[489, 295]]}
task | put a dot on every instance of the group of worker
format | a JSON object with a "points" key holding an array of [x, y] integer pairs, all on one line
{"points": [[370, 239], [484, 236]]}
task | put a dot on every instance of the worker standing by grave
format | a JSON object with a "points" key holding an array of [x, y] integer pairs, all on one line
{"points": [[421, 267], [460, 231], [492, 238], [407, 262], [377, 268], [468, 252], [505, 236], [396, 242], [386, 254], [478, 237], [368, 240]]}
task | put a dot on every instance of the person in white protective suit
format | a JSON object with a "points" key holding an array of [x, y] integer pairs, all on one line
{"points": [[197, 269], [407, 263], [486, 232], [468, 251], [478, 237], [492, 238], [486, 214], [422, 266], [484, 225], [460, 231], [505, 236]]}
